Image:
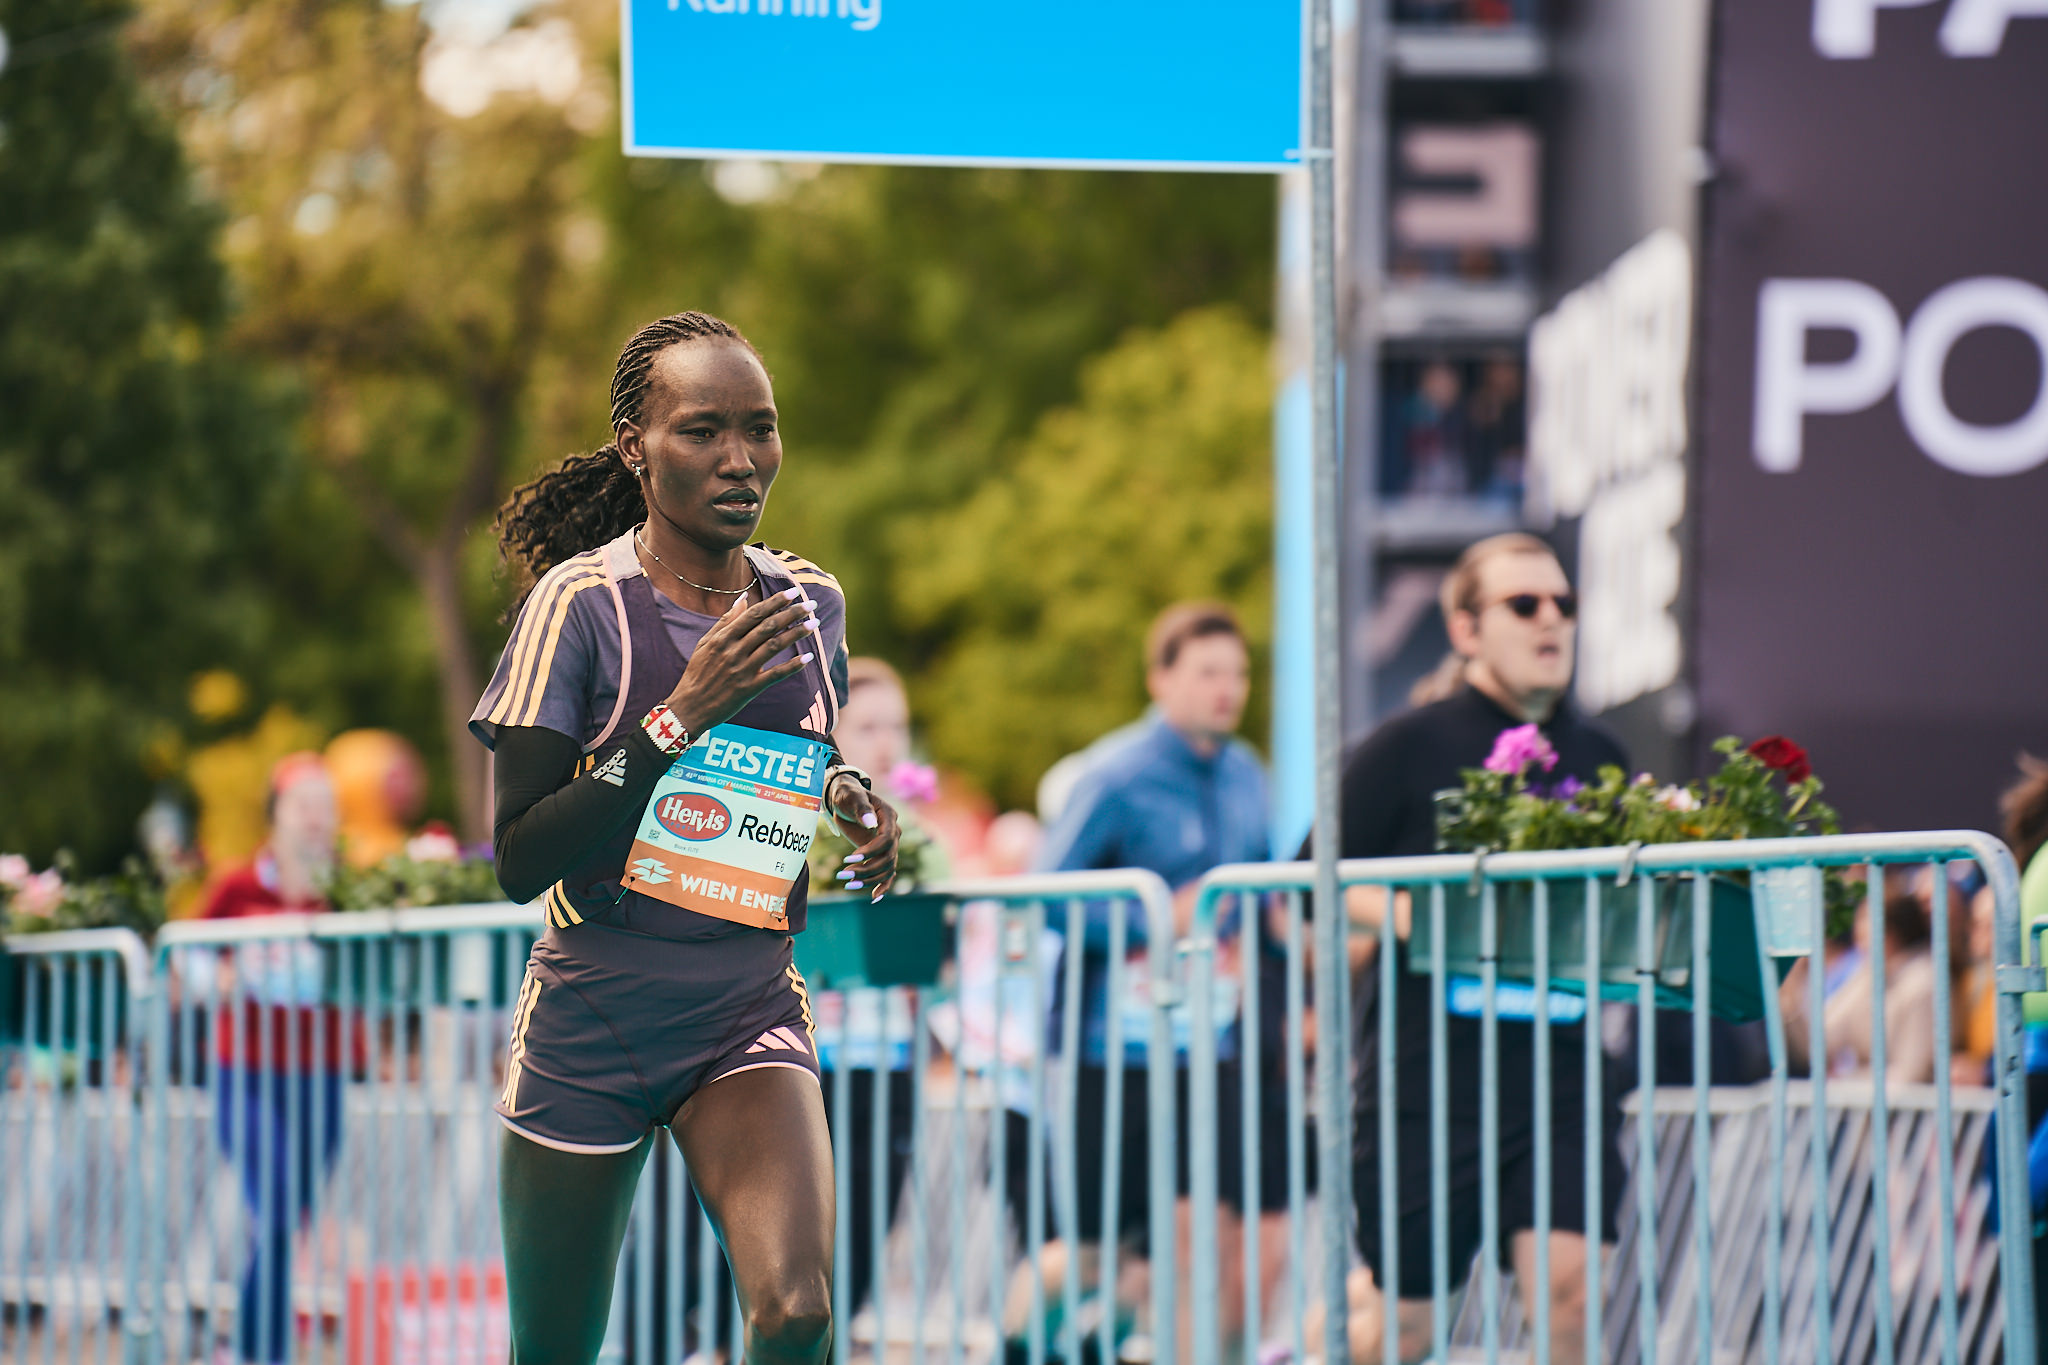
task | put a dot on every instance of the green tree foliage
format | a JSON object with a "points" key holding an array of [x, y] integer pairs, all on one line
{"points": [[408, 263], [447, 291], [1156, 486], [919, 322], [133, 456]]}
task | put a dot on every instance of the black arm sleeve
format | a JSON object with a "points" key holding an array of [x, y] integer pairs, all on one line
{"points": [[552, 813]]}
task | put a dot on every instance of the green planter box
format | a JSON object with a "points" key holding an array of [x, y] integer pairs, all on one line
{"points": [[849, 942], [1735, 988]]}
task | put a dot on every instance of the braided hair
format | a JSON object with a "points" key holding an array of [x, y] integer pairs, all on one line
{"points": [[590, 499]]}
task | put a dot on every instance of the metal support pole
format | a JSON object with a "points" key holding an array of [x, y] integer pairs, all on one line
{"points": [[1333, 1071]]}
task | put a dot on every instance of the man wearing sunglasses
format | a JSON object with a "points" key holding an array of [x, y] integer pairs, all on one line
{"points": [[1512, 619]]}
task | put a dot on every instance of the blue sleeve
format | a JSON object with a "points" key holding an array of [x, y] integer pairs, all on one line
{"points": [[1089, 835]]}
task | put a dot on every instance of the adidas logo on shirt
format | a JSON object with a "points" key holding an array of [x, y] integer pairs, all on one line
{"points": [[780, 1040], [612, 770], [815, 721]]}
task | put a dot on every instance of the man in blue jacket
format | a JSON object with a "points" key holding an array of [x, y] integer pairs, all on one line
{"points": [[1178, 793]]}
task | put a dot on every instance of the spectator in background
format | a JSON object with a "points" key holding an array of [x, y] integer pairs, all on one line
{"points": [[873, 735], [277, 1107], [1850, 1011], [1909, 985], [1177, 794], [1433, 429], [1511, 617], [2025, 807], [1497, 419], [290, 870]]}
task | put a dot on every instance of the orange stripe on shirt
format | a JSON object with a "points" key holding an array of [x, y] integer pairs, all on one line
{"points": [[519, 688], [546, 662], [526, 639]]}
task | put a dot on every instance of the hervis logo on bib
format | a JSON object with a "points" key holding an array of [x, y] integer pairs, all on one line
{"points": [[688, 815]]}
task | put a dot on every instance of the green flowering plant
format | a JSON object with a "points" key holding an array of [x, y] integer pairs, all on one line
{"points": [[432, 870], [1763, 790], [920, 860], [57, 898]]}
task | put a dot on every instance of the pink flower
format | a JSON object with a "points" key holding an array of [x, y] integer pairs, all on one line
{"points": [[434, 844], [913, 781], [40, 895], [1516, 749], [14, 871]]}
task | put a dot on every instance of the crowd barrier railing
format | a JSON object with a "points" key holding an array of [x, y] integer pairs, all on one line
{"points": [[939, 1256], [273, 1138], [1732, 1203], [69, 1147]]}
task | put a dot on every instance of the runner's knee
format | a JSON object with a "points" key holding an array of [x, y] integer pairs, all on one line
{"points": [[790, 1322]]}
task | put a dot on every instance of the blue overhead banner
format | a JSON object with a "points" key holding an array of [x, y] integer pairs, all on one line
{"points": [[1195, 85]]}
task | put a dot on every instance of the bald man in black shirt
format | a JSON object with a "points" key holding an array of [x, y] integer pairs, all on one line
{"points": [[1511, 618]]}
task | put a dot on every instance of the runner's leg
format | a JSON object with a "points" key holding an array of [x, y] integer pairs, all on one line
{"points": [[564, 1216], [757, 1149]]}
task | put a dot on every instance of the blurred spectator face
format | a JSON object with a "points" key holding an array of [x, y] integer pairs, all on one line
{"points": [[1529, 657], [1204, 689], [305, 821], [1011, 844], [874, 727], [1439, 386]]}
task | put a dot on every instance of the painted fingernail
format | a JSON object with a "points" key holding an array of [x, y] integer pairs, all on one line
{"points": [[872, 899], [868, 819], [794, 593], [853, 886], [807, 657], [853, 857], [843, 874]]}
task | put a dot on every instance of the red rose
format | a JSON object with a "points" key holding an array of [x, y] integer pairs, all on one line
{"points": [[1781, 755]]}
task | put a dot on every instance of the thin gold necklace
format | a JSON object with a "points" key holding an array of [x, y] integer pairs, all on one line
{"points": [[722, 592]]}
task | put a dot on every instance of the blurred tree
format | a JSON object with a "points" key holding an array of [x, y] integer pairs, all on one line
{"points": [[399, 236], [133, 457], [919, 323], [433, 227], [1155, 487]]}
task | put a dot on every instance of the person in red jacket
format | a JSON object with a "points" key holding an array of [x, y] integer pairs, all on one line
{"points": [[277, 1051]]}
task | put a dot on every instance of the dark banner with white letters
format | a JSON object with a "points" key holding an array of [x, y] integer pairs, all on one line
{"points": [[1872, 487]]}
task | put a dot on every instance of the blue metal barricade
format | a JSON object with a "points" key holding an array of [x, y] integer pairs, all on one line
{"points": [[68, 1141], [1734, 1204], [930, 1091], [320, 1180], [274, 1137]]}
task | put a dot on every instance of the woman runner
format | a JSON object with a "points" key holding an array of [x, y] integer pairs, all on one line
{"points": [[654, 630]]}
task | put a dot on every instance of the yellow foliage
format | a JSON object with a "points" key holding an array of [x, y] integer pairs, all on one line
{"points": [[217, 695]]}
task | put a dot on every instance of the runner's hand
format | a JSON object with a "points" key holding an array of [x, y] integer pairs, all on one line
{"points": [[860, 814], [731, 664]]}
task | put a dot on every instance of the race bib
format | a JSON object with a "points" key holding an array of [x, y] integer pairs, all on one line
{"points": [[727, 828]]}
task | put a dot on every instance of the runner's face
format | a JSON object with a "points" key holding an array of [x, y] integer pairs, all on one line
{"points": [[710, 440]]}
